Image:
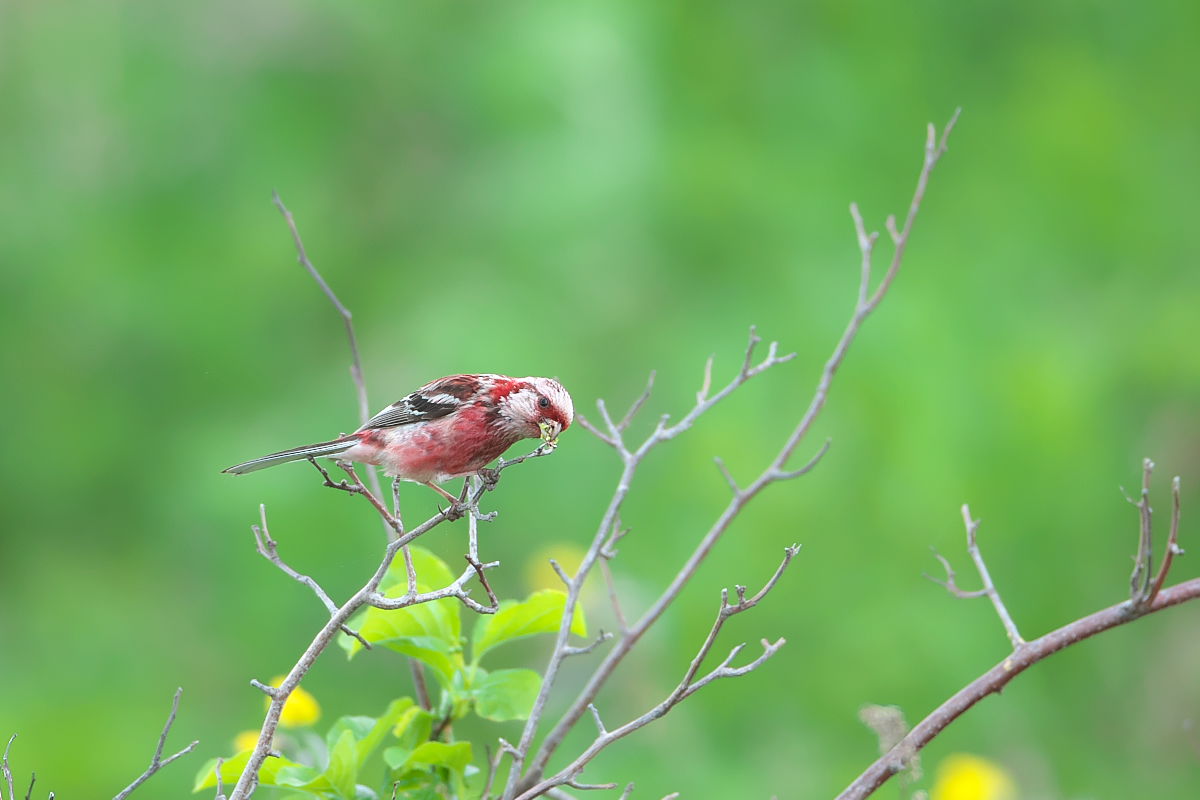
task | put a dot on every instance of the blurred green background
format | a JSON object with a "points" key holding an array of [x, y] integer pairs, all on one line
{"points": [[593, 190]]}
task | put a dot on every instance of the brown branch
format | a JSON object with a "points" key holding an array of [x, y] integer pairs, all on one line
{"points": [[1147, 598], [777, 470], [158, 762], [1139, 581], [1172, 543], [997, 678]]}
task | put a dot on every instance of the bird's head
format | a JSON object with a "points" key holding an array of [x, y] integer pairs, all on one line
{"points": [[537, 408]]}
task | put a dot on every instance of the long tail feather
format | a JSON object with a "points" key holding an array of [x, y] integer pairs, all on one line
{"points": [[295, 454]]}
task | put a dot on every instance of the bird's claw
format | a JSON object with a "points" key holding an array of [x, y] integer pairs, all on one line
{"points": [[490, 477]]}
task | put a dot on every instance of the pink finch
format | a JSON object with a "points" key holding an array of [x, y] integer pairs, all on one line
{"points": [[449, 428]]}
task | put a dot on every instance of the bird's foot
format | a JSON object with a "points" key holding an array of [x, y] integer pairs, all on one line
{"points": [[490, 477]]}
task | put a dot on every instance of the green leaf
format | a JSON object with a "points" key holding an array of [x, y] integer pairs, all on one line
{"points": [[541, 612], [432, 572], [430, 632], [231, 770], [369, 741], [358, 727], [413, 727], [507, 694], [454, 757], [439, 620], [342, 771], [305, 778]]}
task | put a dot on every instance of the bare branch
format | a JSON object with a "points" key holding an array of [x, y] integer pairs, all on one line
{"points": [[422, 689], [1139, 582], [989, 588], [356, 371], [519, 783], [220, 781], [590, 786], [268, 549], [7, 771], [687, 686], [622, 624], [950, 584], [1172, 543], [587, 425], [733, 487], [706, 385], [637, 404], [561, 573], [603, 636], [998, 677], [596, 716], [158, 762]]}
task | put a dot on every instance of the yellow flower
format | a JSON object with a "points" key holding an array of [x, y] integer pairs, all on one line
{"points": [[246, 740], [301, 708], [540, 575], [966, 777]]}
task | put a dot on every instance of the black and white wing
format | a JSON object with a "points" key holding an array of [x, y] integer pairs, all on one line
{"points": [[436, 399]]}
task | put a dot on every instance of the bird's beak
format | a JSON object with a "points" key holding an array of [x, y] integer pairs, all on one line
{"points": [[550, 431]]}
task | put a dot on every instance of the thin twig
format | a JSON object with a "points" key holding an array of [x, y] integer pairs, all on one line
{"points": [[356, 371], [158, 762], [1139, 581], [268, 548], [1172, 543], [6, 770], [989, 588]]}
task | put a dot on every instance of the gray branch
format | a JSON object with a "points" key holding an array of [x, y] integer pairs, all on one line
{"points": [[356, 371], [528, 767], [158, 762], [686, 687], [1025, 654], [989, 588]]}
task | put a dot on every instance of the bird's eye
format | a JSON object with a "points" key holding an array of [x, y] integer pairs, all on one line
{"points": [[543, 402]]}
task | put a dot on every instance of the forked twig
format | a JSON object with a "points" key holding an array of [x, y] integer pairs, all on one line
{"points": [[989, 588], [158, 762]]}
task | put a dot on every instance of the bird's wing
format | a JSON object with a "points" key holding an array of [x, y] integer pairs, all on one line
{"points": [[436, 399]]}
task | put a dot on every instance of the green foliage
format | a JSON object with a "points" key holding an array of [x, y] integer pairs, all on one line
{"points": [[349, 742], [541, 612], [419, 766], [431, 633]]}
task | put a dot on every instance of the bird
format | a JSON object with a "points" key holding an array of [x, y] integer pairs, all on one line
{"points": [[452, 427]]}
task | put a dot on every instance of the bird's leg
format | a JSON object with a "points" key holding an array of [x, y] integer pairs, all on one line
{"points": [[457, 507]]}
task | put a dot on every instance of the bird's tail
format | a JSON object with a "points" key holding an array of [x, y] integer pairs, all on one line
{"points": [[296, 454]]}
